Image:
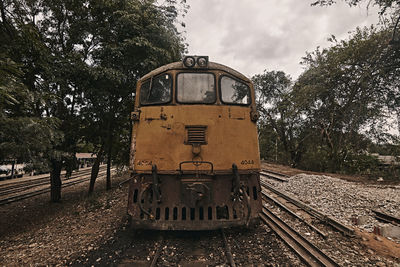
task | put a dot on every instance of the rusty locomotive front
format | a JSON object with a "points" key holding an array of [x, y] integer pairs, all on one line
{"points": [[194, 154]]}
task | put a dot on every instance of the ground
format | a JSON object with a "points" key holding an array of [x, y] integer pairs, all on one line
{"points": [[37, 232], [361, 193]]}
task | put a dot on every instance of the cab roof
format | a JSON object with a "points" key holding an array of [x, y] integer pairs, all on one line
{"points": [[179, 66]]}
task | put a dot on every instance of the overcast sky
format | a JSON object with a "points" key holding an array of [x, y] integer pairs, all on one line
{"points": [[253, 35]]}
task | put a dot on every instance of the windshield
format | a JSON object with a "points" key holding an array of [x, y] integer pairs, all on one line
{"points": [[196, 88], [157, 90], [234, 91]]}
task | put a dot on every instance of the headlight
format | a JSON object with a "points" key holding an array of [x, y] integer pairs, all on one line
{"points": [[202, 62], [195, 62], [189, 61]]}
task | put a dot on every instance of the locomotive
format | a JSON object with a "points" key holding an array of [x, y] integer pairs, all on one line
{"points": [[194, 159]]}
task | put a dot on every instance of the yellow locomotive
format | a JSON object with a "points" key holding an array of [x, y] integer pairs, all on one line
{"points": [[194, 154]]}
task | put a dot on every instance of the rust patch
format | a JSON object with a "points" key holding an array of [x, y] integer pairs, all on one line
{"points": [[191, 202]]}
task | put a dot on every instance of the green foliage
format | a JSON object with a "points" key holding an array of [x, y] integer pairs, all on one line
{"points": [[361, 164], [345, 90], [27, 138], [383, 4], [389, 13], [136, 39], [23, 136], [280, 119], [385, 149], [316, 158], [10, 84], [68, 71], [327, 119]]}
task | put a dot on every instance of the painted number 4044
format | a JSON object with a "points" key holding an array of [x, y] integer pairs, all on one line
{"points": [[247, 162]]}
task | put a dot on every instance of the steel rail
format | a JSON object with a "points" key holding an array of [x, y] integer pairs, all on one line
{"points": [[386, 217], [276, 173], [317, 214], [23, 183], [12, 190], [24, 188], [228, 252], [158, 252], [35, 183], [274, 176], [307, 251], [161, 242], [283, 206], [35, 180], [41, 191]]}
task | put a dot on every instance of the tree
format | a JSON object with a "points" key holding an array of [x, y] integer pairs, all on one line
{"points": [[280, 124], [337, 109], [25, 134], [138, 37], [384, 5], [79, 62], [347, 91]]}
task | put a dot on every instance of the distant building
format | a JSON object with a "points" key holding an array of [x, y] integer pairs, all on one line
{"points": [[387, 160], [85, 159], [85, 156]]}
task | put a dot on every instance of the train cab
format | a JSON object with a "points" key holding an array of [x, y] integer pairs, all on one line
{"points": [[194, 158]]}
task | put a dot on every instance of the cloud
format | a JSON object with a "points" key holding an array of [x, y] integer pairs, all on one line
{"points": [[251, 36]]}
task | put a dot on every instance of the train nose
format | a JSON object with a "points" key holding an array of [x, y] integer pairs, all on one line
{"points": [[195, 194]]}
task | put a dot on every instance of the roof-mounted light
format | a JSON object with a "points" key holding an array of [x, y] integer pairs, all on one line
{"points": [[195, 61], [189, 62], [202, 62]]}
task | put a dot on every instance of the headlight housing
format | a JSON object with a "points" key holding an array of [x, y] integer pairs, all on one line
{"points": [[202, 62], [189, 62], [195, 62]]}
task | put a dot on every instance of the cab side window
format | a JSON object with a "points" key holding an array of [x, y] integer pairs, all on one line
{"points": [[156, 90], [234, 91]]}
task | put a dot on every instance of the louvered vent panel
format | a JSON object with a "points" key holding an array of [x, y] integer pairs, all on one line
{"points": [[196, 135]]}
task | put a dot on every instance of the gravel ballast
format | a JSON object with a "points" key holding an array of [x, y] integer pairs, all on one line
{"points": [[344, 200]]}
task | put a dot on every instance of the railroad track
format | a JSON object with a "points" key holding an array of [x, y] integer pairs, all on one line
{"points": [[284, 206], [179, 248], [386, 217], [310, 254], [275, 175], [23, 183], [8, 189], [159, 246], [33, 180], [78, 179], [293, 205], [162, 244]]}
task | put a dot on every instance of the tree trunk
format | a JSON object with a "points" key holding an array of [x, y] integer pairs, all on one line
{"points": [[55, 181], [109, 150], [12, 169], [69, 166], [108, 186], [95, 169]]}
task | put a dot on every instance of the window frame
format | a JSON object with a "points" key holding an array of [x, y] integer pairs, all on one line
{"points": [[151, 84], [236, 79], [196, 103]]}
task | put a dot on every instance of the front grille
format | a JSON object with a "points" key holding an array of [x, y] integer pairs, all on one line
{"points": [[196, 135]]}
